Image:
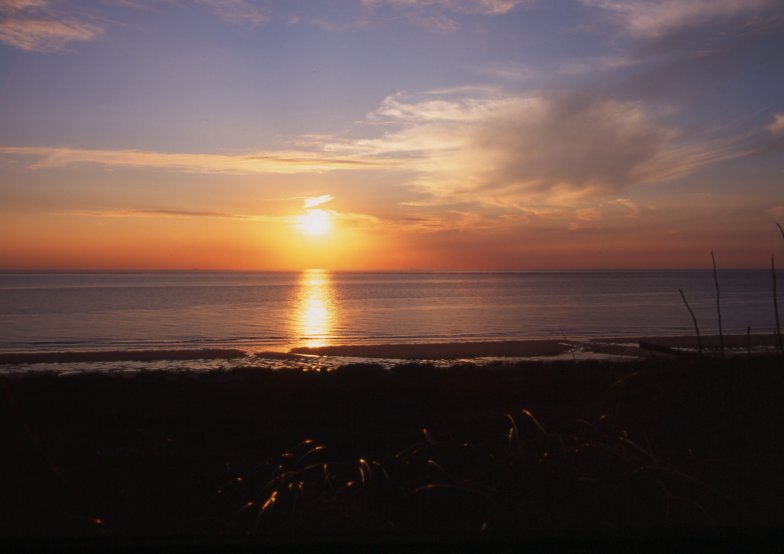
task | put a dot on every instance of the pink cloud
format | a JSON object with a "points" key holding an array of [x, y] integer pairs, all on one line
{"points": [[33, 25]]}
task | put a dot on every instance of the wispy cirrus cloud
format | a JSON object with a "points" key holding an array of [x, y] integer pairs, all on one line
{"points": [[47, 26], [437, 15], [507, 71], [776, 128], [769, 139], [312, 202], [481, 7], [238, 12], [23, 5], [518, 73], [653, 18], [618, 208], [263, 162], [347, 218], [158, 213], [36, 26]]}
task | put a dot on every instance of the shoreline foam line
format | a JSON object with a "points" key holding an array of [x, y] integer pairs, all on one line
{"points": [[444, 350], [625, 346], [119, 356], [526, 348]]}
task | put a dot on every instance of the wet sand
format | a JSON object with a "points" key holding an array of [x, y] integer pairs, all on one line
{"points": [[444, 351], [619, 346], [710, 342], [118, 356]]}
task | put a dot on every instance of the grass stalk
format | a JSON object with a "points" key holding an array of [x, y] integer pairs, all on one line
{"points": [[776, 305], [694, 319], [718, 305]]}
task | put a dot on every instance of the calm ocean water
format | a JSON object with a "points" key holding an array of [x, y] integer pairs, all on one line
{"points": [[262, 311]]}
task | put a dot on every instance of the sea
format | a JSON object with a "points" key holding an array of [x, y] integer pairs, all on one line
{"points": [[264, 311]]}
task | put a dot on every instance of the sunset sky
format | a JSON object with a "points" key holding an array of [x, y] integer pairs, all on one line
{"points": [[390, 134]]}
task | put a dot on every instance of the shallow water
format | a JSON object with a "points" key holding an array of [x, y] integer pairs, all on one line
{"points": [[263, 311]]}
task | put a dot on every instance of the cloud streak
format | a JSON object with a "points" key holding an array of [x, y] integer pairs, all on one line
{"points": [[34, 26], [238, 12], [479, 7], [777, 127], [123, 213], [348, 218], [264, 162], [316, 201], [437, 15], [654, 18]]}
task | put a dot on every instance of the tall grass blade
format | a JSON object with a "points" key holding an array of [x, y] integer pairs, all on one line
{"points": [[776, 305], [516, 435], [718, 305], [531, 416], [694, 319]]}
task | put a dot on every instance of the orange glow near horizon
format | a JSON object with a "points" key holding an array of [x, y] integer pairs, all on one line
{"points": [[168, 241], [316, 315]]}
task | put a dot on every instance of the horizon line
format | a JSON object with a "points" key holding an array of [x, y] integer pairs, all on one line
{"points": [[408, 270]]}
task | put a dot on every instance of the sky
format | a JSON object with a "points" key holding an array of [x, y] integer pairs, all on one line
{"points": [[391, 134]]}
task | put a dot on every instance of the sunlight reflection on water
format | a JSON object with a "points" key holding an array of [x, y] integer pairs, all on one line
{"points": [[73, 312], [316, 313]]}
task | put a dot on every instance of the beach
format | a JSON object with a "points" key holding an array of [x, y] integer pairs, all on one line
{"points": [[440, 353], [619, 346], [263, 312], [410, 451]]}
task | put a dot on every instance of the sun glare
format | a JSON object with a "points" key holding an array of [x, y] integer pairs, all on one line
{"points": [[316, 314], [315, 223]]}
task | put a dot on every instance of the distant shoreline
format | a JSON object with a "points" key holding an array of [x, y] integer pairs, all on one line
{"points": [[377, 271], [531, 348]]}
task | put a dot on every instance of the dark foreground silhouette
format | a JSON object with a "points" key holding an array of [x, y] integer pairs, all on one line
{"points": [[506, 452]]}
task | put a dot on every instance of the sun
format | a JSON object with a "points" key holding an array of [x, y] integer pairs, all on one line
{"points": [[315, 223]]}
